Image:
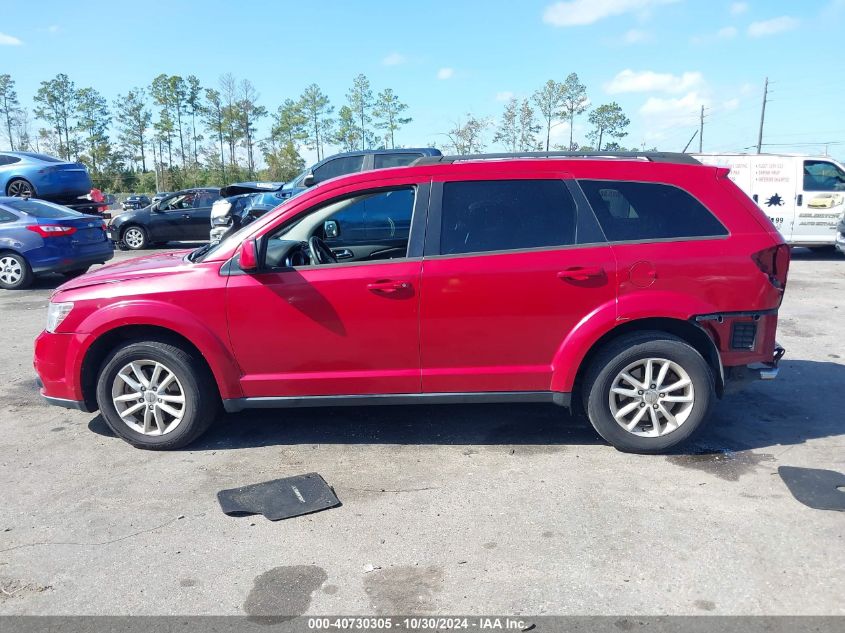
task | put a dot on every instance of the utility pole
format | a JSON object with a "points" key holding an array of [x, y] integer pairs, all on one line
{"points": [[701, 132], [763, 115]]}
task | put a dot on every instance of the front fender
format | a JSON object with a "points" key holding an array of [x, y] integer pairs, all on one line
{"points": [[177, 319], [643, 304]]}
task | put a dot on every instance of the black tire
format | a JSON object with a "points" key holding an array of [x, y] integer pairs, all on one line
{"points": [[202, 400], [15, 271], [19, 187], [143, 239], [621, 353], [70, 274]]}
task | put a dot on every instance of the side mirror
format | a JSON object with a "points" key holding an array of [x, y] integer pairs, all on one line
{"points": [[309, 180], [330, 229], [248, 258]]}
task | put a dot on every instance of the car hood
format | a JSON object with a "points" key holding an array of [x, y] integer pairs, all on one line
{"points": [[130, 269]]}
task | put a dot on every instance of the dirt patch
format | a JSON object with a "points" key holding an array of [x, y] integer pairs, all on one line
{"points": [[411, 590], [12, 588], [283, 593]]}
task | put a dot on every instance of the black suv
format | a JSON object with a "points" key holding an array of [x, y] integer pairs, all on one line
{"points": [[181, 217], [350, 162]]}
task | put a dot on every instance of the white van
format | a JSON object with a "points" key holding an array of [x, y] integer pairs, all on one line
{"points": [[803, 195]]}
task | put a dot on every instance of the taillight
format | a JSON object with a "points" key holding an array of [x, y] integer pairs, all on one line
{"points": [[774, 262], [52, 230]]}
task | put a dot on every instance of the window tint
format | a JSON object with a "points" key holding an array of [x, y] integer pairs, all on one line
{"points": [[500, 215], [205, 199], [41, 209], [5, 216], [338, 167], [381, 216], [8, 160], [821, 175], [630, 211], [178, 202], [382, 161]]}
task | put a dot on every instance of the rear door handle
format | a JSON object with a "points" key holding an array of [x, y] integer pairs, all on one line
{"points": [[581, 273], [388, 286]]}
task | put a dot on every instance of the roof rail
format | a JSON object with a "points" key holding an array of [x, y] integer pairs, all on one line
{"points": [[655, 157]]}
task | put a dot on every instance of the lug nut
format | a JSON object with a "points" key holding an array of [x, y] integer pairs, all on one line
{"points": [[653, 386], [640, 392], [662, 395], [642, 404]]}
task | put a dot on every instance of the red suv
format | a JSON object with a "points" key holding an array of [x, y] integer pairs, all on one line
{"points": [[635, 286]]}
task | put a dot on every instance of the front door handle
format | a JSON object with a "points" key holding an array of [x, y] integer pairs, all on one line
{"points": [[388, 286], [186, 216], [581, 273], [342, 253], [800, 200]]}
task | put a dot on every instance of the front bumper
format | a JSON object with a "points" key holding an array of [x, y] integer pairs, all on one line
{"points": [[840, 242]]}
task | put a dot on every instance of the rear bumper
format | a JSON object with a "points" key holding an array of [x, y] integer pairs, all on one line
{"points": [[62, 264], [738, 377]]}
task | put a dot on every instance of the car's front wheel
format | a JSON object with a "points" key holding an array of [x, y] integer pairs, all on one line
{"points": [[15, 271], [135, 238], [156, 395], [648, 391]]}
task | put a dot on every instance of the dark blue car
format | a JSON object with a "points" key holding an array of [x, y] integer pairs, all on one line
{"points": [[42, 176], [39, 237]]}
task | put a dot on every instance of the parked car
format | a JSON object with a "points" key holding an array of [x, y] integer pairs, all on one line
{"points": [[160, 195], [351, 162], [135, 201], [636, 286], [39, 237], [46, 177], [242, 203], [182, 216], [840, 236]]}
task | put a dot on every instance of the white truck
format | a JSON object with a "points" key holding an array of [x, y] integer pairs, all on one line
{"points": [[804, 196]]}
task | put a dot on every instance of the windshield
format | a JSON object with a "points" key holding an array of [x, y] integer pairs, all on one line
{"points": [[204, 252]]}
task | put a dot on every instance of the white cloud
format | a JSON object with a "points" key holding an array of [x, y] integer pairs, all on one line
{"points": [[773, 26], [583, 12], [445, 73], [738, 8], [727, 33], [663, 113], [650, 81], [393, 59], [505, 95], [9, 40], [730, 104], [635, 36]]}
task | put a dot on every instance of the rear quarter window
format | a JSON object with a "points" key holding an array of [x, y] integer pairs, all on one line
{"points": [[6, 216], [642, 211]]}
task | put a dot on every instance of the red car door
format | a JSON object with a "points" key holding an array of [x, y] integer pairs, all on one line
{"points": [[349, 328], [511, 267]]}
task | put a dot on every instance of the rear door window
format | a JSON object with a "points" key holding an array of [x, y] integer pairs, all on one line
{"points": [[8, 160], [504, 215], [383, 161], [338, 167], [640, 211]]}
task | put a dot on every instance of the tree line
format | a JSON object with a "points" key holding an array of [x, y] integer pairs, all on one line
{"points": [[177, 133]]}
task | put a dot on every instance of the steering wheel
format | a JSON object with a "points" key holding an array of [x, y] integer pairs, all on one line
{"points": [[320, 251]]}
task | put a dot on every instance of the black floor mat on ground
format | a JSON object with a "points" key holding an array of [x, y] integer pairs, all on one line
{"points": [[814, 487], [280, 498]]}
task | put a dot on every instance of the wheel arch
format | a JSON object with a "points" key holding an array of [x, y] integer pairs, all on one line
{"points": [[686, 330], [211, 352]]}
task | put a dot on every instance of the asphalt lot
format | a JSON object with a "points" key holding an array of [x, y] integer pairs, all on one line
{"points": [[500, 509]]}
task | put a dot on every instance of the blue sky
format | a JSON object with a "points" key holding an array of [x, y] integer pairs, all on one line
{"points": [[659, 59]]}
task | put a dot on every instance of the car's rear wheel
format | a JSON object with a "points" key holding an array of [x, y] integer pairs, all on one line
{"points": [[19, 187], [15, 271], [648, 391], [156, 395], [135, 238]]}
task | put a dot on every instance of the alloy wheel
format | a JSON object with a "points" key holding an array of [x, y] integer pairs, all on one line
{"points": [[18, 188], [133, 237], [651, 397], [11, 270], [148, 397]]}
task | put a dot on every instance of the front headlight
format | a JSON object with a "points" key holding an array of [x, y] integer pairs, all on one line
{"points": [[56, 313]]}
